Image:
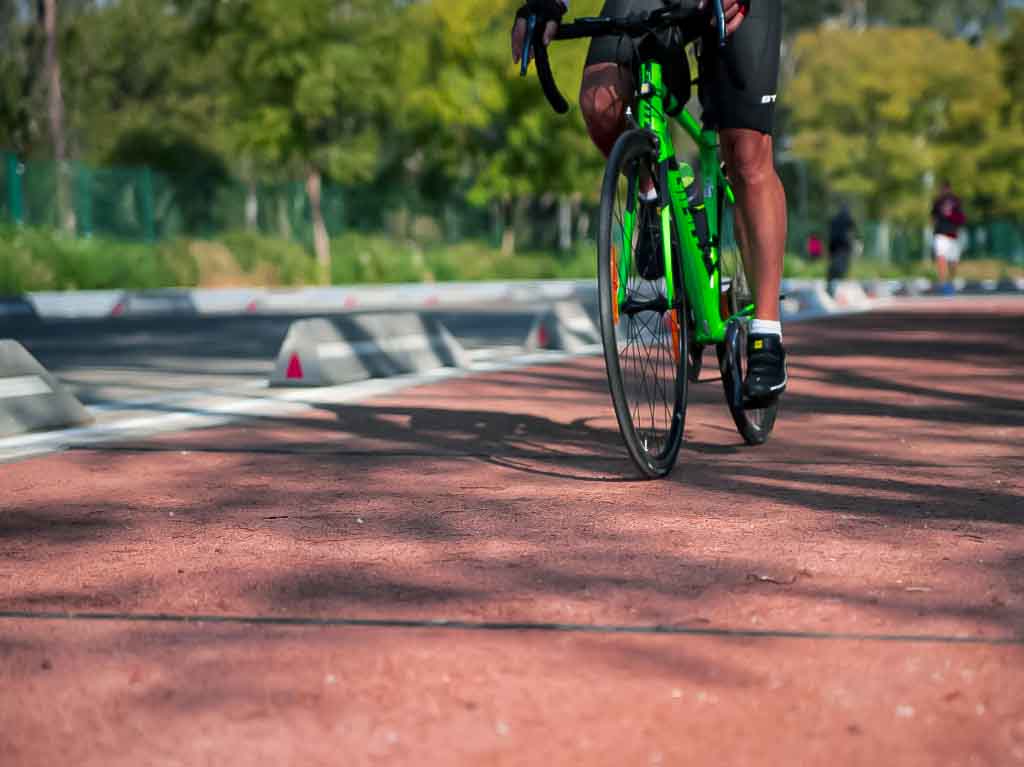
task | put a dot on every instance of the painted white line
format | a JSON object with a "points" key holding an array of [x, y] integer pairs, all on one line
{"points": [[173, 397], [23, 386]]}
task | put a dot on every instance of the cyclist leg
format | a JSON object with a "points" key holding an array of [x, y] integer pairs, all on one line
{"points": [[607, 83], [744, 114]]}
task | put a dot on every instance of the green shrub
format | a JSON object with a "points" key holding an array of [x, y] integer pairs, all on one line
{"points": [[39, 259], [369, 258], [290, 263]]}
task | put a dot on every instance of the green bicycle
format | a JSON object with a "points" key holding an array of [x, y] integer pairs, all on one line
{"points": [[670, 276]]}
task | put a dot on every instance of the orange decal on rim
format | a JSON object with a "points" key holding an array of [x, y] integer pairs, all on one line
{"points": [[672, 318], [615, 285]]}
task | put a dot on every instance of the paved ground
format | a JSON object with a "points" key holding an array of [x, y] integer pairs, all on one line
{"points": [[268, 591]]}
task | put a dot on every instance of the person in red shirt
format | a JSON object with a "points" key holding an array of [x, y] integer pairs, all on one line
{"points": [[948, 218]]}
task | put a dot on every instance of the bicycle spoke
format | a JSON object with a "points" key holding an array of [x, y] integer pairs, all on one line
{"points": [[646, 347]]}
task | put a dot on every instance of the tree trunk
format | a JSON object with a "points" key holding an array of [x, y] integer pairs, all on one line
{"points": [[855, 13], [565, 223], [321, 243], [65, 208], [252, 207], [508, 231]]}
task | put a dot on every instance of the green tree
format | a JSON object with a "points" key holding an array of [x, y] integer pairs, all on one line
{"points": [[309, 81], [486, 129], [882, 113]]}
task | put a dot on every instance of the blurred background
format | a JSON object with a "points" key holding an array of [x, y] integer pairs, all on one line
{"points": [[153, 143]]}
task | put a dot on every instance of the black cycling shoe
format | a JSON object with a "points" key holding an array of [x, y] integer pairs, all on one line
{"points": [[766, 368], [650, 259]]}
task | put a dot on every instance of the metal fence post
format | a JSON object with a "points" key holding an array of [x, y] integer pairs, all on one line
{"points": [[15, 198], [148, 223], [84, 198]]}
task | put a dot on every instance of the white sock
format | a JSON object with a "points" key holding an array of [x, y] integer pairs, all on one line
{"points": [[766, 328], [651, 195]]}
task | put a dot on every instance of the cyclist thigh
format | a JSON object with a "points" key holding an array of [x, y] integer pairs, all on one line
{"points": [[754, 51], [614, 50]]}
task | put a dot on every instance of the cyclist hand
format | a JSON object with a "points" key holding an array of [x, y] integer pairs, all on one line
{"points": [[550, 8], [735, 12]]}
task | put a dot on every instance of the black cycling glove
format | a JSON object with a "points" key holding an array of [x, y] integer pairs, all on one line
{"points": [[544, 10]]}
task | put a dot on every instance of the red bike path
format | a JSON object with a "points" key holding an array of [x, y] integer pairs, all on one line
{"points": [[270, 592]]}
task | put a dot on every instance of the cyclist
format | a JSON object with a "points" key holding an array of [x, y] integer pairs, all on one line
{"points": [[738, 97]]}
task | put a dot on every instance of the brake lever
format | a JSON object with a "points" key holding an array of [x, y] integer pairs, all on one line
{"points": [[720, 18], [531, 27]]}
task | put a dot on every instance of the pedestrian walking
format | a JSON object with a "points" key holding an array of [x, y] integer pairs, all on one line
{"points": [[948, 218], [840, 245]]}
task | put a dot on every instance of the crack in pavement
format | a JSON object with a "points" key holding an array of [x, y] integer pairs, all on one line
{"points": [[508, 626]]}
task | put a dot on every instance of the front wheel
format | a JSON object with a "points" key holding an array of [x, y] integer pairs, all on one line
{"points": [[645, 332]]}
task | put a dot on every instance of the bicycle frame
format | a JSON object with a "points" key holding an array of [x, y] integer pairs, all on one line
{"points": [[700, 246]]}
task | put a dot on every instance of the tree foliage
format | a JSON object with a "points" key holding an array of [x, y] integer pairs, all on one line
{"points": [[883, 113], [417, 104]]}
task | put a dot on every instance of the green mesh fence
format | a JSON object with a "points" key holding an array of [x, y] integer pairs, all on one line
{"points": [[8, 180], [142, 205], [139, 204]]}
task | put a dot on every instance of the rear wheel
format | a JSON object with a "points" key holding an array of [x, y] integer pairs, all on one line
{"points": [[646, 339], [754, 421]]}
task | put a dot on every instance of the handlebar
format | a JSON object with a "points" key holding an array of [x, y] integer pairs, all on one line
{"points": [[633, 25]]}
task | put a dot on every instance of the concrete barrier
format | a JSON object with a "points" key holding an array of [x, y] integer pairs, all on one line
{"points": [[565, 327], [409, 297], [155, 303], [805, 299], [849, 295], [226, 300], [329, 351], [78, 305], [30, 398], [16, 307]]}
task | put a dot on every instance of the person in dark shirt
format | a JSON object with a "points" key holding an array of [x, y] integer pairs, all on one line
{"points": [[840, 244], [948, 217]]}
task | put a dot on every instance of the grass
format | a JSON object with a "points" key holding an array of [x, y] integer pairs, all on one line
{"points": [[40, 259]]}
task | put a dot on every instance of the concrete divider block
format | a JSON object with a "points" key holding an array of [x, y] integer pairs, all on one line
{"points": [[155, 303], [329, 351], [234, 301], [804, 299], [918, 286], [565, 327], [876, 289], [16, 307], [30, 398], [81, 304], [848, 294]]}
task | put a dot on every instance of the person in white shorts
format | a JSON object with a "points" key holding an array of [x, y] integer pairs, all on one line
{"points": [[948, 217]]}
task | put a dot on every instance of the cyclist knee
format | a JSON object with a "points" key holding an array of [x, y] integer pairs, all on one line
{"points": [[749, 156], [603, 103]]}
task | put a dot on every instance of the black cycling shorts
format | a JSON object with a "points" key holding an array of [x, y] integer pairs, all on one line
{"points": [[743, 100]]}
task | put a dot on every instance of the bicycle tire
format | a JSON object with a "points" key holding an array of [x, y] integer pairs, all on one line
{"points": [[653, 433], [754, 424]]}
